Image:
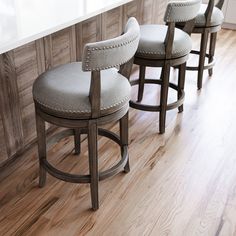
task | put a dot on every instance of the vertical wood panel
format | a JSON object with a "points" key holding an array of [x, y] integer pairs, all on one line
{"points": [[112, 24], [159, 8], [72, 38], [134, 9], [40, 55], [147, 8], [60, 47], [9, 104], [26, 64], [48, 52], [87, 32]]}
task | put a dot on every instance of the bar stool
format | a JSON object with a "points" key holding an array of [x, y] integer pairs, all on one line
{"points": [[208, 22], [165, 46], [72, 97]]}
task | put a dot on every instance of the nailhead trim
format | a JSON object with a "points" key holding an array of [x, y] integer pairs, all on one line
{"points": [[199, 21], [87, 61], [183, 52], [173, 5], [127, 98]]}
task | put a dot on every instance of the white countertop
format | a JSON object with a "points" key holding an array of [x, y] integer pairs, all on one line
{"points": [[23, 21]]}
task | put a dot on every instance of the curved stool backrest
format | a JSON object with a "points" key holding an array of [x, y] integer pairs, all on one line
{"points": [[209, 10], [182, 11], [107, 54], [113, 52], [179, 11]]}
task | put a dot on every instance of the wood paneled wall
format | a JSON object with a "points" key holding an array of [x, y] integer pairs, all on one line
{"points": [[21, 66], [87, 32], [112, 24]]}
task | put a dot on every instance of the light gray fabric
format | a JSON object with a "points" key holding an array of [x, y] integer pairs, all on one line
{"points": [[181, 11], [64, 91], [217, 17], [151, 44], [113, 52]]}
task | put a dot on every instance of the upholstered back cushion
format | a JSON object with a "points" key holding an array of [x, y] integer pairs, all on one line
{"points": [[113, 52], [217, 17], [182, 10]]}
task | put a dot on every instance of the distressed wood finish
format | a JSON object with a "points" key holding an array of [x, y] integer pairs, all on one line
{"points": [[88, 31], [28, 63], [112, 23], [133, 9], [158, 11], [10, 104], [146, 8], [60, 47], [21, 66]]}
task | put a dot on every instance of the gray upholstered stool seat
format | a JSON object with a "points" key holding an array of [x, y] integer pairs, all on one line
{"points": [[64, 91], [217, 17], [151, 44]]}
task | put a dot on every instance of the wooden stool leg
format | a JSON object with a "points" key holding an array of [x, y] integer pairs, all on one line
{"points": [[42, 151], [124, 136], [93, 163], [77, 141], [203, 47], [181, 82], [142, 70], [212, 50], [164, 96]]}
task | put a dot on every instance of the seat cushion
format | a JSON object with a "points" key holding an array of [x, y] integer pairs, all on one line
{"points": [[151, 44], [217, 17], [64, 91]]}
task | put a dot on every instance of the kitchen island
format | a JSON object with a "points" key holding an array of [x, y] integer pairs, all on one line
{"points": [[36, 35]]}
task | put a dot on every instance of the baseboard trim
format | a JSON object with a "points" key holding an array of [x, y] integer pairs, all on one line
{"points": [[229, 26]]}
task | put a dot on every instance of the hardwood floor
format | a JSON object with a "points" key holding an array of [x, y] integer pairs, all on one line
{"points": [[180, 183]]}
